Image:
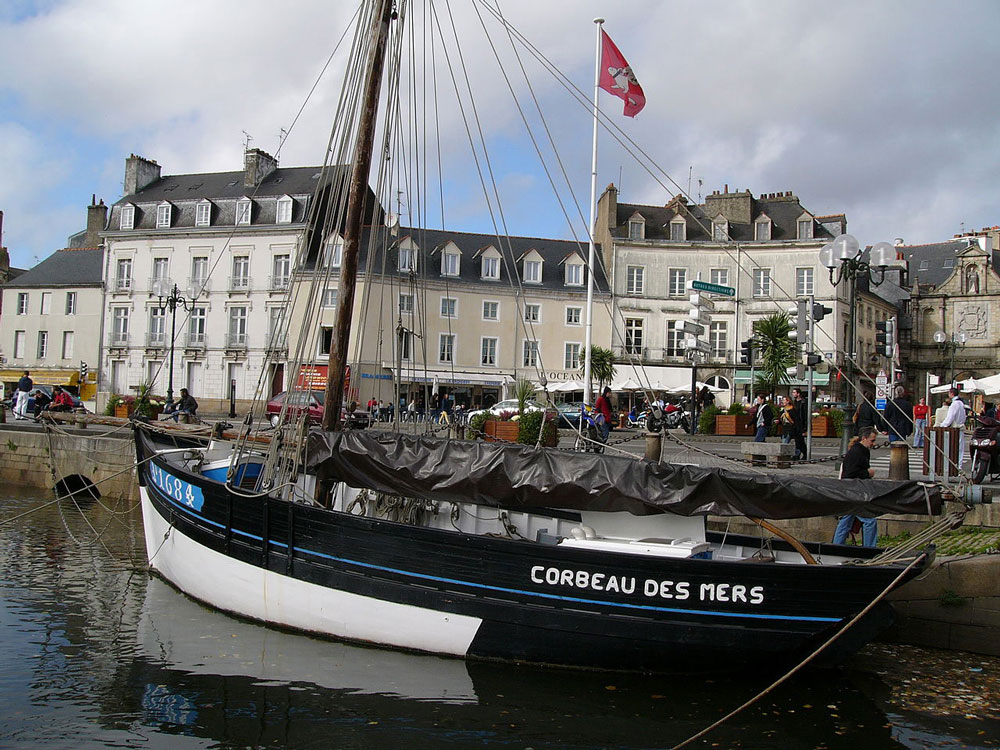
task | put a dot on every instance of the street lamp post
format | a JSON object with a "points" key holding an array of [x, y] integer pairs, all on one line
{"points": [[944, 342], [843, 260], [170, 302]]}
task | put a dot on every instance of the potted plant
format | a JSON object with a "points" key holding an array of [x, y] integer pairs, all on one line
{"points": [[146, 404], [825, 422], [530, 426], [120, 406], [502, 428], [735, 421]]}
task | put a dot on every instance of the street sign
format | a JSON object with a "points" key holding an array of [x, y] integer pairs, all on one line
{"points": [[881, 378], [689, 326], [881, 391], [699, 316], [880, 404], [704, 286], [697, 344], [700, 300]]}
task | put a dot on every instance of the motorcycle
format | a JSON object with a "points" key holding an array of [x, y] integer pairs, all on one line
{"points": [[985, 448], [675, 418], [636, 421], [590, 436]]}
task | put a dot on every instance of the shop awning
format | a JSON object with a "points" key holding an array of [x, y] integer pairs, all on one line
{"points": [[454, 377], [819, 379], [42, 376]]}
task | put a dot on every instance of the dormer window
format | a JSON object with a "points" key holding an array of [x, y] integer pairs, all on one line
{"points": [[243, 212], [637, 228], [203, 214], [533, 271], [574, 273], [127, 217], [163, 214], [762, 228], [407, 258], [720, 229], [805, 227], [450, 262], [336, 248], [283, 213], [490, 264], [678, 229]]}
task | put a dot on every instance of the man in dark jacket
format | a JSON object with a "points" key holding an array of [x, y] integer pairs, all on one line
{"points": [[899, 416], [765, 415], [867, 415], [857, 465], [802, 418]]}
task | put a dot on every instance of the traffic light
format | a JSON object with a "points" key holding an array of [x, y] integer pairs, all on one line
{"points": [[885, 336], [83, 371], [799, 318], [820, 311], [746, 352], [811, 360]]}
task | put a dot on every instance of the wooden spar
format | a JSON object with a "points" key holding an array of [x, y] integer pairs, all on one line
{"points": [[353, 219]]}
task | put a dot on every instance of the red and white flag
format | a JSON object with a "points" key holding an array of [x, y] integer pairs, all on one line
{"points": [[617, 77]]}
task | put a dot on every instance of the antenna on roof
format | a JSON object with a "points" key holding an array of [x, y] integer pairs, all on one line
{"points": [[281, 139], [700, 183], [690, 169], [247, 140]]}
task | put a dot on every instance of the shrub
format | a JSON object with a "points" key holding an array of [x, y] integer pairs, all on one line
{"points": [[706, 422], [476, 425], [530, 425], [737, 407]]}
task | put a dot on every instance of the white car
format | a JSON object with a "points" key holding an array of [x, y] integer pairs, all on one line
{"points": [[507, 406]]}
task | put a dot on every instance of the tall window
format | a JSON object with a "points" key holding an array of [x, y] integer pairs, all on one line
{"points": [[718, 338], [284, 211], [805, 229], [22, 303], [491, 310], [530, 358], [574, 316], [533, 271], [18, 344], [237, 327], [450, 264], [123, 279], [199, 269], [634, 276], [43, 344], [119, 326], [161, 269], [281, 271], [448, 306], [67, 345], [719, 276], [532, 312], [275, 327], [46, 307], [203, 214], [405, 344], [678, 230], [336, 251], [489, 352], [574, 274], [127, 218], [407, 259], [242, 213], [163, 212], [446, 347], [675, 341], [762, 282], [678, 280], [636, 229], [406, 304], [633, 336], [71, 303], [803, 282], [491, 267], [241, 273], [571, 360], [197, 325], [762, 230], [157, 327]]}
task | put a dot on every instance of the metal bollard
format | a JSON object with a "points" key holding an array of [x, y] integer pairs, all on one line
{"points": [[654, 446], [899, 461]]}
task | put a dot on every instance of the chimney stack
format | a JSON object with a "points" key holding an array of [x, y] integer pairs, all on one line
{"points": [[139, 173], [257, 165], [97, 218]]}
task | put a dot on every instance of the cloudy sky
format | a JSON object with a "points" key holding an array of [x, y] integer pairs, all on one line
{"points": [[885, 111]]}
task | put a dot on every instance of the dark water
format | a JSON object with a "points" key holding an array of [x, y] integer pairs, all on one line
{"points": [[95, 653]]}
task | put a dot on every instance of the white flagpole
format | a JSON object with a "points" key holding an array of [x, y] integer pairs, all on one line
{"points": [[588, 336]]}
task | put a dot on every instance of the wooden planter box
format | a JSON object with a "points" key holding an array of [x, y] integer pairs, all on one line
{"points": [[497, 430], [823, 427], [733, 424], [124, 411]]}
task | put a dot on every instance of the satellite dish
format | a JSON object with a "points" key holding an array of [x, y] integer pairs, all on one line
{"points": [[392, 222]]}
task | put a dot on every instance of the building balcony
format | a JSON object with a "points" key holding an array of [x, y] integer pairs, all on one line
{"points": [[156, 340], [197, 285], [277, 343], [278, 283], [118, 340], [236, 341], [122, 284], [240, 284], [160, 286], [194, 341]]}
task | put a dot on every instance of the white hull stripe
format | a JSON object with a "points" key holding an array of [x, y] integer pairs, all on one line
{"points": [[521, 592]]}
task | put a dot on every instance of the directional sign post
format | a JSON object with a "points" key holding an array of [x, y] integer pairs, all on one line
{"points": [[689, 326], [704, 286]]}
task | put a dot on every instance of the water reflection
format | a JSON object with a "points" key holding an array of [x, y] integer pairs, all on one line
{"points": [[97, 651]]}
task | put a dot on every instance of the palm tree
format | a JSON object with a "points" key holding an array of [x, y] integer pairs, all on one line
{"points": [[524, 389], [602, 366], [775, 351]]}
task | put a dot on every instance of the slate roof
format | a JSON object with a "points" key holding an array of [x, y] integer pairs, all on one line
{"points": [[783, 209], [927, 263], [184, 192], [511, 249], [69, 267]]}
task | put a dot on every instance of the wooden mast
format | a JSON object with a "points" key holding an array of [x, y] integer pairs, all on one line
{"points": [[353, 219]]}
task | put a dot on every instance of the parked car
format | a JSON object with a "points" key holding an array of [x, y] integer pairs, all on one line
{"points": [[569, 414], [311, 402], [506, 407], [47, 390]]}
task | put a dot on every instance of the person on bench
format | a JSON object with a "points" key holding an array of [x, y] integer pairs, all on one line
{"points": [[185, 405]]}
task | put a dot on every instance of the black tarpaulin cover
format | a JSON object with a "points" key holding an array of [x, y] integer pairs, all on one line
{"points": [[516, 476]]}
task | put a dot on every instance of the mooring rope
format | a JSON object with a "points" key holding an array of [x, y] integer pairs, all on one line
{"points": [[785, 677]]}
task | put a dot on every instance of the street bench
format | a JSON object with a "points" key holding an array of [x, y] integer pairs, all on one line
{"points": [[761, 453]]}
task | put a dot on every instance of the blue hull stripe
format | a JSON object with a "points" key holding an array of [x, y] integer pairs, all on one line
{"points": [[624, 605]]}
